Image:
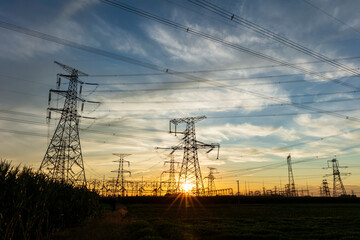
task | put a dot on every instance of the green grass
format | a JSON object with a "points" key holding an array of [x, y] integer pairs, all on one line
{"points": [[226, 221]]}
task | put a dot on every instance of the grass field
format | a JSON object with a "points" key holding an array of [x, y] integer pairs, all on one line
{"points": [[224, 221]]}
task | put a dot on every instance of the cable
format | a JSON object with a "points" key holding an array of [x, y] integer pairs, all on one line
{"points": [[196, 87], [267, 33], [331, 16], [200, 34], [221, 69], [237, 116], [155, 67], [235, 99], [231, 108], [232, 79]]}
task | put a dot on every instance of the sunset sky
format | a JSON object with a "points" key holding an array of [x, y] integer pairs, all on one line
{"points": [[259, 110]]}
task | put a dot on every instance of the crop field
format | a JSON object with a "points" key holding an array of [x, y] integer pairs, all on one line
{"points": [[194, 220]]}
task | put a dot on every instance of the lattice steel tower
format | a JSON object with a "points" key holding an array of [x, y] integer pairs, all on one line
{"points": [[120, 177], [211, 181], [324, 189], [338, 186], [190, 172], [63, 160], [290, 190], [171, 182]]}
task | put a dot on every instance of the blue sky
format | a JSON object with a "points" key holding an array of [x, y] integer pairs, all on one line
{"points": [[253, 130]]}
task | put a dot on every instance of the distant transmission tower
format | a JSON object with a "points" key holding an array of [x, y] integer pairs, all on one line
{"points": [[211, 181], [63, 160], [190, 173], [120, 177], [324, 189], [171, 183], [290, 190], [338, 186]]}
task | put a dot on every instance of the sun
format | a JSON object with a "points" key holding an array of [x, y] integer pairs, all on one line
{"points": [[187, 187]]}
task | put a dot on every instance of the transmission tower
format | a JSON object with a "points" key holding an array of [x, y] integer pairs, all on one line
{"points": [[190, 173], [171, 183], [121, 171], [338, 186], [211, 181], [63, 160], [290, 190], [324, 189]]}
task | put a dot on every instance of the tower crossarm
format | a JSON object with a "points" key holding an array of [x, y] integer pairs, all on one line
{"points": [[65, 92], [176, 121], [173, 148], [211, 146], [70, 69]]}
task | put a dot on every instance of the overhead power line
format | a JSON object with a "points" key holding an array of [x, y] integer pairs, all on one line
{"points": [[231, 79], [236, 99], [270, 34], [223, 69], [332, 16], [239, 106], [161, 69], [231, 45]]}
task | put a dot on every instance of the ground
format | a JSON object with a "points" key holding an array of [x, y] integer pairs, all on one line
{"points": [[192, 220]]}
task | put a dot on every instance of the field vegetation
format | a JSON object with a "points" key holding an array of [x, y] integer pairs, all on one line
{"points": [[34, 207]]}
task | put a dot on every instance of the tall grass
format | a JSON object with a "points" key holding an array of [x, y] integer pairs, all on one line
{"points": [[34, 207]]}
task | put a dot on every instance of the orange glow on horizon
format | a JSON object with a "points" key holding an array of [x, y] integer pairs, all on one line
{"points": [[187, 187]]}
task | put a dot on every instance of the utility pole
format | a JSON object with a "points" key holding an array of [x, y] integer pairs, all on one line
{"points": [[121, 171], [171, 183], [211, 183], [190, 172], [290, 190], [63, 160], [338, 186]]}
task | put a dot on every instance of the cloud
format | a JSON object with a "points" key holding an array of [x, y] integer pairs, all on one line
{"points": [[188, 49], [119, 39], [15, 45], [245, 131]]}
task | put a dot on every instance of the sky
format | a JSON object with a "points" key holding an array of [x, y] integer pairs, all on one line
{"points": [[259, 109]]}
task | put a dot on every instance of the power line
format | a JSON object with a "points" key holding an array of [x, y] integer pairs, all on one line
{"points": [[233, 79], [331, 16], [237, 99], [242, 106], [276, 165], [157, 68], [270, 34], [223, 69], [200, 34], [243, 116]]}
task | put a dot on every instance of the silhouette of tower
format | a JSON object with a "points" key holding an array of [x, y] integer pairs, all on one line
{"points": [[211, 181], [190, 172], [171, 182], [324, 189], [338, 186], [120, 177], [63, 160], [290, 188]]}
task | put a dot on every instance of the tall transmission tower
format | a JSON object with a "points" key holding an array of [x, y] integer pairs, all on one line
{"points": [[338, 186], [211, 181], [324, 189], [290, 190], [120, 177], [63, 160], [190, 172], [171, 183]]}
